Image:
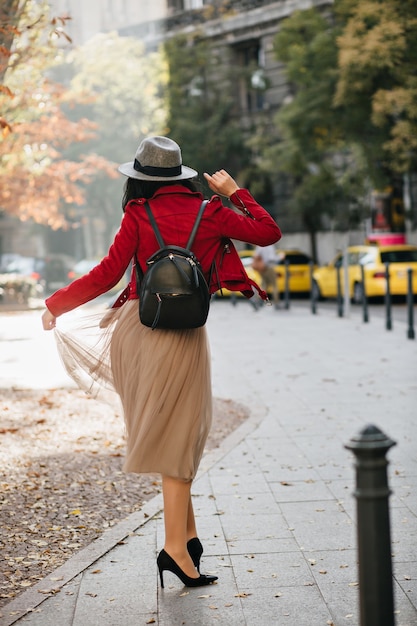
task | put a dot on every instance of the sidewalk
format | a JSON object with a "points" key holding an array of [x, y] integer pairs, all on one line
{"points": [[274, 503]]}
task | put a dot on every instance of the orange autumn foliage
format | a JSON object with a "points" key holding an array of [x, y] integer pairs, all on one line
{"points": [[37, 181]]}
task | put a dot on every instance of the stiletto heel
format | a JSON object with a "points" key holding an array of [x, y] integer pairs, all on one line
{"points": [[195, 550], [165, 562]]}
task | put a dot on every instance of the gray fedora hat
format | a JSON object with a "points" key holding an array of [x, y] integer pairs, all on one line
{"points": [[157, 158]]}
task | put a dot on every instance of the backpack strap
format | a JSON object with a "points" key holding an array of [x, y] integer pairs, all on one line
{"points": [[196, 224], [139, 273], [192, 234], [154, 225]]}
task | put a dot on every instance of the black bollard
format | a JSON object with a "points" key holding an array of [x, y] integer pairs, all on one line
{"points": [[313, 298], [365, 314], [373, 527], [287, 285], [388, 315], [339, 294], [410, 304]]}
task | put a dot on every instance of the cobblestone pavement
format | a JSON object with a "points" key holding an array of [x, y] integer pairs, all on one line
{"points": [[274, 503]]}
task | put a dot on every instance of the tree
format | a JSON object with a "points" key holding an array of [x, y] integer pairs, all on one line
{"points": [[377, 80], [201, 110], [351, 125], [35, 180], [10, 13], [124, 86], [309, 133]]}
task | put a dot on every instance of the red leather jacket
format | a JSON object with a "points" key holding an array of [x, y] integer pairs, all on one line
{"points": [[175, 209]]}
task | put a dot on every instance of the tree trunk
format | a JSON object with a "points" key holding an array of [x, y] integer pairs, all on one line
{"points": [[10, 12]]}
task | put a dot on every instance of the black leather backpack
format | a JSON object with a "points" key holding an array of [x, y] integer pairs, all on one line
{"points": [[173, 292]]}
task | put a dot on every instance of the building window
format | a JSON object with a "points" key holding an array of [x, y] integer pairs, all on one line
{"points": [[193, 4], [185, 5], [252, 82]]}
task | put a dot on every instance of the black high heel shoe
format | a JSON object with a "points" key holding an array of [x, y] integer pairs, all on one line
{"points": [[165, 562], [195, 550]]}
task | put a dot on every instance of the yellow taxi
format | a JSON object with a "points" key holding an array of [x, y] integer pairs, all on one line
{"points": [[373, 259], [298, 270]]}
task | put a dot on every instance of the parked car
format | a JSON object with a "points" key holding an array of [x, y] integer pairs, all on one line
{"points": [[56, 270], [298, 270], [6, 259], [22, 278], [373, 258]]}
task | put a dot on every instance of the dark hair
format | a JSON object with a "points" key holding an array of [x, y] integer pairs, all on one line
{"points": [[135, 188]]}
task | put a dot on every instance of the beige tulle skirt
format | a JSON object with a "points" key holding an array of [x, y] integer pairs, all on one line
{"points": [[162, 378]]}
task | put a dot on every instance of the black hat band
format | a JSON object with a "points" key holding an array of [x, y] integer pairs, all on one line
{"points": [[157, 171]]}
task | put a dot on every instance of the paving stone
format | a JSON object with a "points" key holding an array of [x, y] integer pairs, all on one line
{"points": [[259, 527], [303, 606], [319, 525], [271, 570], [262, 545], [300, 491]]}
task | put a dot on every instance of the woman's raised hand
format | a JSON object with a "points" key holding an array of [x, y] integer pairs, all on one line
{"points": [[222, 183]]}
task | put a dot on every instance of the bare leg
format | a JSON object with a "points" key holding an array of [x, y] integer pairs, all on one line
{"points": [[178, 514], [191, 527]]}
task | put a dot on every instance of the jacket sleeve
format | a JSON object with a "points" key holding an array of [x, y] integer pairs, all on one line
{"points": [[102, 277], [253, 225]]}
